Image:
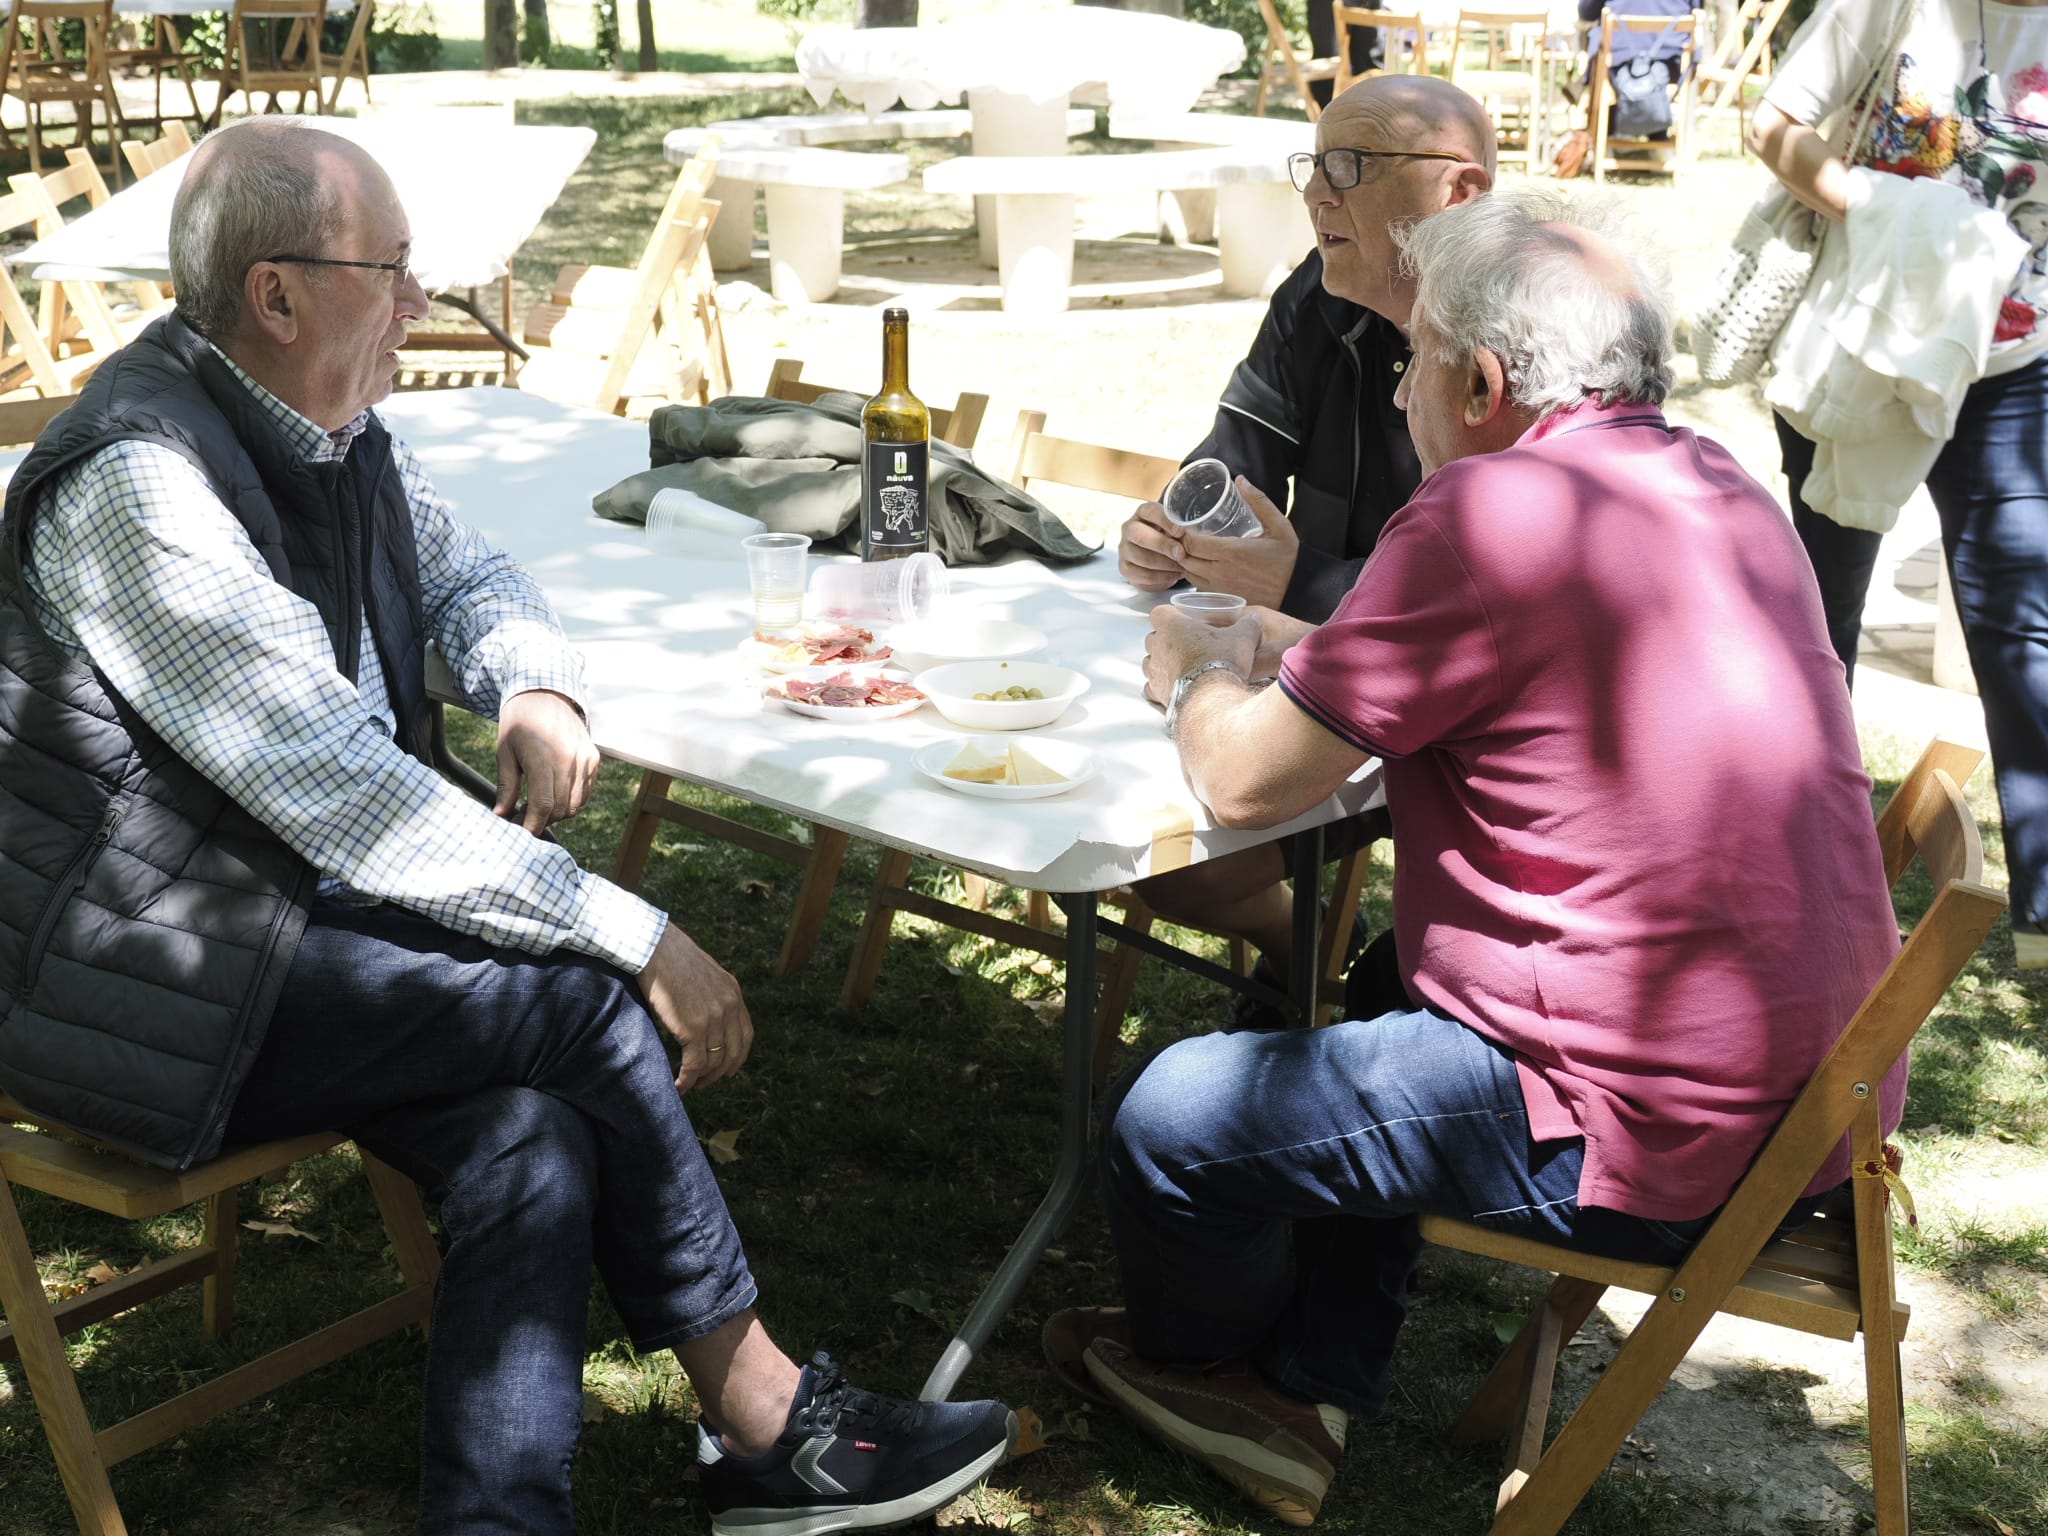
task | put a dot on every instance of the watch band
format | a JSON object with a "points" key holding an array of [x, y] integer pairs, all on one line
{"points": [[1185, 685]]}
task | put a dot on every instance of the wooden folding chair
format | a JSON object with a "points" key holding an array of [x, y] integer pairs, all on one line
{"points": [[165, 55], [285, 58], [817, 860], [1742, 51], [79, 312], [591, 331], [22, 421], [1404, 43], [38, 67], [66, 1168], [1659, 157], [354, 58], [1281, 58], [26, 360], [1498, 57], [145, 158], [1831, 1277]]}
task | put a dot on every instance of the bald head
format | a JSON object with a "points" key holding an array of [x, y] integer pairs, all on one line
{"points": [[257, 189], [1423, 112], [1537, 280]]}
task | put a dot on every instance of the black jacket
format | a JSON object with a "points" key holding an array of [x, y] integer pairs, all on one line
{"points": [[146, 920], [1313, 403]]}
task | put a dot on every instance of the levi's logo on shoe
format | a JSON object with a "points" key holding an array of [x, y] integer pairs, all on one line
{"points": [[865, 1445]]}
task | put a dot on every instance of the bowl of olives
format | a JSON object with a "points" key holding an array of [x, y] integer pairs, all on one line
{"points": [[1002, 695]]}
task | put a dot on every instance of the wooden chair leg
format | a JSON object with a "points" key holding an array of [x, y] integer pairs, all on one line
{"points": [[1343, 917], [893, 875], [1491, 1412], [641, 824], [813, 898], [1038, 910], [51, 1382], [1119, 980], [217, 1290], [1545, 1326], [405, 1221], [1884, 1385], [974, 891]]}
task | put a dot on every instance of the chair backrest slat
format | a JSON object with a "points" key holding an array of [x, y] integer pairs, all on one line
{"points": [[1036, 455], [958, 424]]}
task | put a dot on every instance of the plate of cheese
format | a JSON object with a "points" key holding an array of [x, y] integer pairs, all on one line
{"points": [[1003, 768]]}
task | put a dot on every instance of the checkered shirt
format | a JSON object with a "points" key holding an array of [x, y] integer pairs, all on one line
{"points": [[139, 569]]}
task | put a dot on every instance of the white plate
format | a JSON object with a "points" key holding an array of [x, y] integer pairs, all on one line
{"points": [[844, 714], [1076, 762], [762, 654], [926, 643]]}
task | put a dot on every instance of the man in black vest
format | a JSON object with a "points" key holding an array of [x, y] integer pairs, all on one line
{"points": [[261, 912], [1312, 404]]}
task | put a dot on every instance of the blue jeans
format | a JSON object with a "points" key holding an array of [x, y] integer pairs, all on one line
{"points": [[1990, 486], [533, 1097], [1223, 1147]]}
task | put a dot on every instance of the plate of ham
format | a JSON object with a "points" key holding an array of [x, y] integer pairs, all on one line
{"points": [[846, 697], [843, 647]]}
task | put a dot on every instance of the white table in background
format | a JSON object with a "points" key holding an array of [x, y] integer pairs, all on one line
{"points": [[1018, 71], [473, 191], [668, 691]]}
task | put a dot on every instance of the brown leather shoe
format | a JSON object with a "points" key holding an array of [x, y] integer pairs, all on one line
{"points": [[1277, 1450], [1065, 1339]]}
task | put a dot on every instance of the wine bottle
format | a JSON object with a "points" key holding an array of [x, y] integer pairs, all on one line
{"points": [[896, 432]]}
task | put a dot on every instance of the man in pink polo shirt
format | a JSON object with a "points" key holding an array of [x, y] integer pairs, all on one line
{"points": [[1638, 893]]}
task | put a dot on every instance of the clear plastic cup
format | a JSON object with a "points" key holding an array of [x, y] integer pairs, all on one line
{"points": [[680, 522], [1210, 607], [1204, 498], [775, 570], [878, 591]]}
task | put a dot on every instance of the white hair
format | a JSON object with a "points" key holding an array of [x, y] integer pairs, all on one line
{"points": [[1499, 274], [253, 191]]}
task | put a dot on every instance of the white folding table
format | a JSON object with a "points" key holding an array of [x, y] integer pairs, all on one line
{"points": [[669, 690]]}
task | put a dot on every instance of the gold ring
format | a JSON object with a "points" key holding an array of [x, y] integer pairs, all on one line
{"points": [[714, 1048]]}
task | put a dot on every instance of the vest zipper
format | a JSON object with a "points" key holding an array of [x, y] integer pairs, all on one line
{"points": [[67, 886]]}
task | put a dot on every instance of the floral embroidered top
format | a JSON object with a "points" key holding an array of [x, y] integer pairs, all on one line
{"points": [[1965, 100]]}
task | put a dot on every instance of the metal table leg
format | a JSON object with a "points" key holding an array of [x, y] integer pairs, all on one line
{"points": [[1069, 1171], [1304, 974]]}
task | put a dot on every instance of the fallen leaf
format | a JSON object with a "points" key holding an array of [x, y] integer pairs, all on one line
{"points": [[594, 1407], [754, 885], [1993, 1521], [724, 1147], [969, 1072], [1507, 1326], [102, 1272], [919, 1302], [1042, 966], [1030, 1433], [279, 1229]]}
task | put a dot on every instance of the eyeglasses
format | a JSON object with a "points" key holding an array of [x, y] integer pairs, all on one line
{"points": [[402, 268], [1341, 167]]}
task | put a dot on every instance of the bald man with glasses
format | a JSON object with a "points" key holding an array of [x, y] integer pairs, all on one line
{"points": [[1311, 409]]}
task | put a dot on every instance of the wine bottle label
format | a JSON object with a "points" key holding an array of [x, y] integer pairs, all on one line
{"points": [[894, 489]]}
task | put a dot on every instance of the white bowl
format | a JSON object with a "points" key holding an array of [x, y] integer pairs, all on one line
{"points": [[1069, 758], [952, 689], [923, 643]]}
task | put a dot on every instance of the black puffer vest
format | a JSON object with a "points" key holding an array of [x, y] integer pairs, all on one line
{"points": [[146, 920]]}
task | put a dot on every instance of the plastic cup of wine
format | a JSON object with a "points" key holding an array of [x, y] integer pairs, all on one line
{"points": [[775, 570], [1204, 498], [1210, 607]]}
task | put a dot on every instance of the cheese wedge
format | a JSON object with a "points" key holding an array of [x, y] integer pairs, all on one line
{"points": [[1026, 769], [975, 766]]}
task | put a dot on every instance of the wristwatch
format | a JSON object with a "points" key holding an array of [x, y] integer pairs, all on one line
{"points": [[1185, 685]]}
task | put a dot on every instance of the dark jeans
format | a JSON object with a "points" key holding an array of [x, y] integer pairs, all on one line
{"points": [[532, 1096], [1990, 486], [1223, 1148]]}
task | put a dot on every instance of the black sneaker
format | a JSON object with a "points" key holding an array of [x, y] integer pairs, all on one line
{"points": [[851, 1460]]}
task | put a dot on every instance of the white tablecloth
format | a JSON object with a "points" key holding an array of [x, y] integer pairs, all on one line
{"points": [[670, 691], [473, 191], [193, 7], [1149, 63]]}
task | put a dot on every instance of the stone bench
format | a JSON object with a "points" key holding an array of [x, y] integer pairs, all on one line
{"points": [[806, 190], [1263, 230], [732, 237], [1187, 215]]}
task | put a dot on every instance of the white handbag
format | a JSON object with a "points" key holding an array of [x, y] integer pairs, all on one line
{"points": [[1760, 283]]}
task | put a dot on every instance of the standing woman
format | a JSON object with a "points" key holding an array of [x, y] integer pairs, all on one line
{"points": [[1965, 100]]}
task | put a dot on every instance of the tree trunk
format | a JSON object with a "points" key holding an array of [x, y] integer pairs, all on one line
{"points": [[501, 34], [643, 11], [1174, 8], [537, 40], [886, 13]]}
